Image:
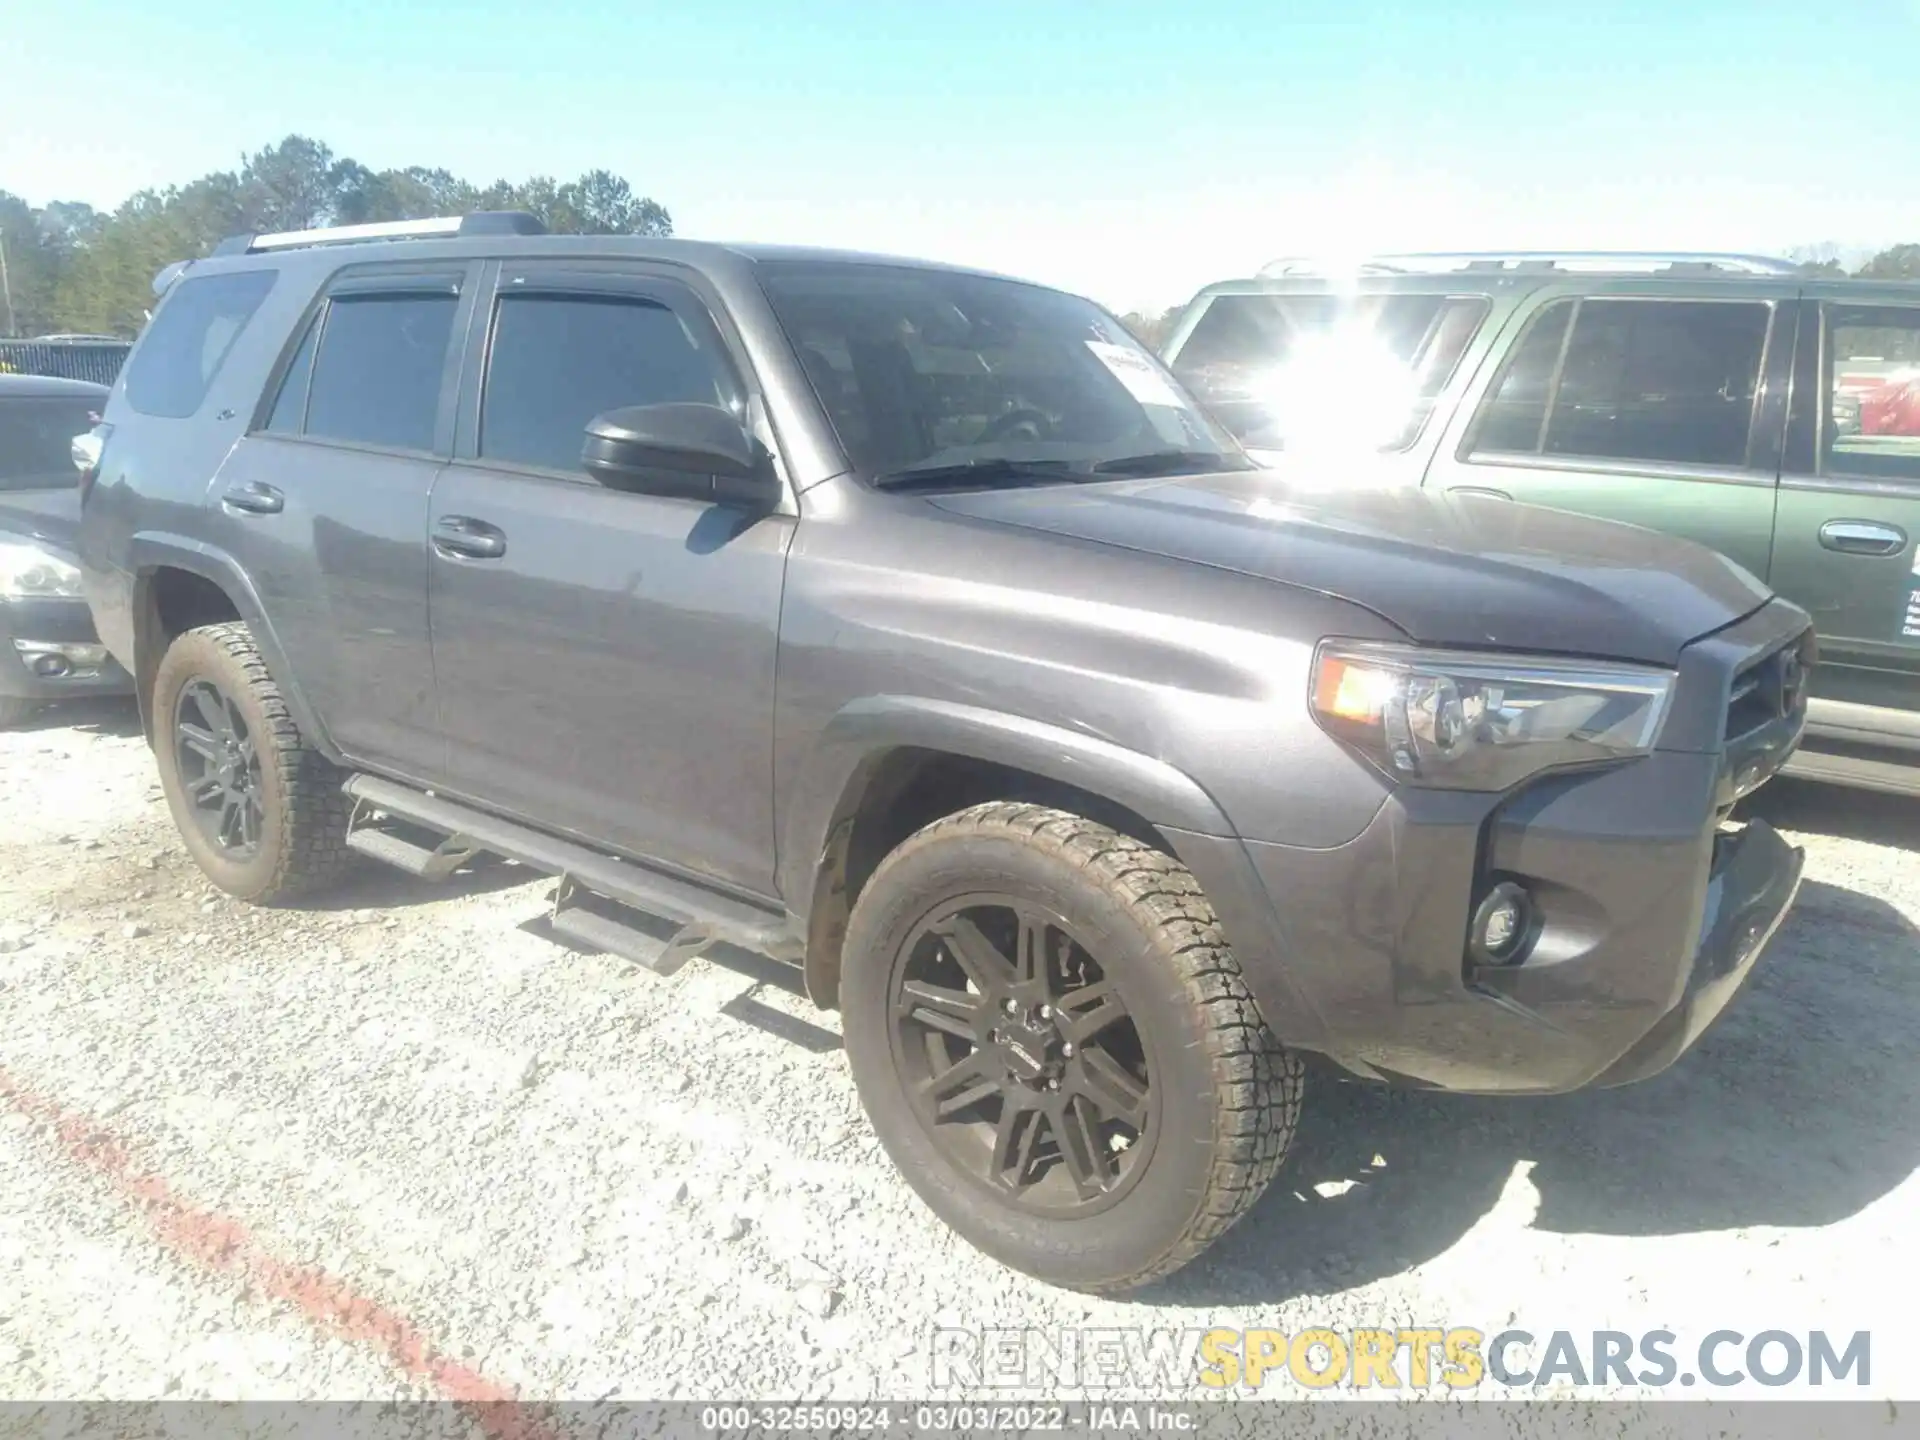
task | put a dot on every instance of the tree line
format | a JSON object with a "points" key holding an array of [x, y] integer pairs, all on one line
{"points": [[72, 268]]}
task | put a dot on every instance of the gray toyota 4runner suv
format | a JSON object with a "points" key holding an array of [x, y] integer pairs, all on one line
{"points": [[914, 626]]}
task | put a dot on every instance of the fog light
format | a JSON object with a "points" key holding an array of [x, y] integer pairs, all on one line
{"points": [[1503, 924], [51, 661]]}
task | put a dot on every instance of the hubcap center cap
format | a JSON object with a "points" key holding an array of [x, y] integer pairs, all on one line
{"points": [[1029, 1050]]}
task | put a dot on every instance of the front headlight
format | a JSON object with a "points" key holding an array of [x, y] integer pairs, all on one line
{"points": [[28, 572], [1464, 721]]}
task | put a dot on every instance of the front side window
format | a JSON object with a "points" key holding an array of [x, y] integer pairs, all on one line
{"points": [[36, 440], [377, 373], [1656, 381], [924, 370], [1294, 372], [557, 361], [1873, 390], [173, 365]]}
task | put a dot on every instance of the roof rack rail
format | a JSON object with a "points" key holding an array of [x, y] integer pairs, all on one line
{"points": [[1510, 261], [480, 222]]}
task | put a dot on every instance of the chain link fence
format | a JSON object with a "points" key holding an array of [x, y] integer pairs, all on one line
{"points": [[95, 360]]}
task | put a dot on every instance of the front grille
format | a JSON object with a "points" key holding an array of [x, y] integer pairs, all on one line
{"points": [[1769, 689]]}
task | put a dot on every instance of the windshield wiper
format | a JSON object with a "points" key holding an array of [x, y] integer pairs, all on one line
{"points": [[983, 470], [1171, 462]]}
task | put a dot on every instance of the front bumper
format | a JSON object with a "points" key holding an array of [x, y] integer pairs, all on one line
{"points": [[1755, 877], [45, 652], [1650, 909]]}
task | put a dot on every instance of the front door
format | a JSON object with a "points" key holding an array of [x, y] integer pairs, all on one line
{"points": [[1850, 505], [605, 658], [325, 504], [1661, 411]]}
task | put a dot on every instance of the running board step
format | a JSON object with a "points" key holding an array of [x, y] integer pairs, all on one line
{"points": [[694, 914], [596, 922], [388, 845]]}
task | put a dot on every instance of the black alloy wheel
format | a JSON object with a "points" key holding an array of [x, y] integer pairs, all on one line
{"points": [[219, 766], [1021, 1059]]}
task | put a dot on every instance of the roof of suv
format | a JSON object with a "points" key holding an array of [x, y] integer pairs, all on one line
{"points": [[705, 253], [1496, 273]]}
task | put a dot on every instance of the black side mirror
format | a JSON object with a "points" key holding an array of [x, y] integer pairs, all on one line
{"points": [[701, 452]]}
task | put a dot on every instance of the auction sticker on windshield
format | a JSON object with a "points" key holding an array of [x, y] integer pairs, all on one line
{"points": [[1132, 369]]}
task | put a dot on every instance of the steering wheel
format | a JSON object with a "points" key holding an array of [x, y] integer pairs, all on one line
{"points": [[1034, 423]]}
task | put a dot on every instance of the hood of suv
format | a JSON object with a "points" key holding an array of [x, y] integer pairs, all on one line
{"points": [[1459, 570]]}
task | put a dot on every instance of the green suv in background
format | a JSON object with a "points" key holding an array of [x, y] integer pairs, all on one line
{"points": [[1728, 399]]}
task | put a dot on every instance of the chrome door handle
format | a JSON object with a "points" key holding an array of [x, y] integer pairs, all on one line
{"points": [[1863, 537], [1486, 490], [254, 498], [470, 539]]}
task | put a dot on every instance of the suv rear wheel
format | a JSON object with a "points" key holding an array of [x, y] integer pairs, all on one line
{"points": [[1056, 1047], [261, 810]]}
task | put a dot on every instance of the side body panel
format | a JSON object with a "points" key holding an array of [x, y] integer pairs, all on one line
{"points": [[1848, 540]]}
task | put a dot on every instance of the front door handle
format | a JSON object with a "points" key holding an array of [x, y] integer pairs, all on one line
{"points": [[1863, 537], [469, 539], [1486, 490], [254, 498]]}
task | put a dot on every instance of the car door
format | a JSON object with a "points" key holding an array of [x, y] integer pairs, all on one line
{"points": [[324, 504], [605, 658], [1660, 409], [1850, 508]]}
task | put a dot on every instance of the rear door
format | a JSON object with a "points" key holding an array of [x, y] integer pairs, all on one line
{"points": [[605, 658], [1850, 507], [1660, 409], [325, 504]]}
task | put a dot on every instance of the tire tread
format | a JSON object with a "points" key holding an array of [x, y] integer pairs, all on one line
{"points": [[1257, 1081], [312, 852]]}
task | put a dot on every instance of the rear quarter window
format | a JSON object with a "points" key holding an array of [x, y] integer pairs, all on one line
{"points": [[189, 339]]}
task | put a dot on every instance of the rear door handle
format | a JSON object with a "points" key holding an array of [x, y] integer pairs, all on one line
{"points": [[1486, 490], [1863, 537], [468, 538], [254, 498]]}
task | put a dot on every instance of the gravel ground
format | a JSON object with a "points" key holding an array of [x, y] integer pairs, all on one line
{"points": [[407, 1145]]}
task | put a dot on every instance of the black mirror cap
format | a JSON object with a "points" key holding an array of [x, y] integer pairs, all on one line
{"points": [[623, 446]]}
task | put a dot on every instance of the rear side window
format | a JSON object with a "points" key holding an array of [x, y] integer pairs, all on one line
{"points": [[36, 439], [559, 360], [378, 369], [1361, 371], [1659, 381], [1873, 392], [290, 406], [173, 366]]}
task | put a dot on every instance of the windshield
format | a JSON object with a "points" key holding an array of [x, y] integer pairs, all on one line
{"points": [[1325, 372], [36, 442], [921, 370]]}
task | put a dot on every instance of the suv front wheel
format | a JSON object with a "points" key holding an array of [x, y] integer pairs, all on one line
{"points": [[261, 811], [1055, 1045]]}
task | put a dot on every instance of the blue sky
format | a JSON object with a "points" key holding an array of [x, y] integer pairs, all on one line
{"points": [[1130, 151]]}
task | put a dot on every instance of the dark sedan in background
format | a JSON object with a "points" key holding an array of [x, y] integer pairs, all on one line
{"points": [[48, 648]]}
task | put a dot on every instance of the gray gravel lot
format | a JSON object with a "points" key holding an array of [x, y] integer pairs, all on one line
{"points": [[507, 1164]]}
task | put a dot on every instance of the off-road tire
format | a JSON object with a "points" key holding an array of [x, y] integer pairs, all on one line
{"points": [[302, 845], [1230, 1093]]}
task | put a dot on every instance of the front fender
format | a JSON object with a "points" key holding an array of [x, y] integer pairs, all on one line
{"points": [[859, 738], [150, 552]]}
